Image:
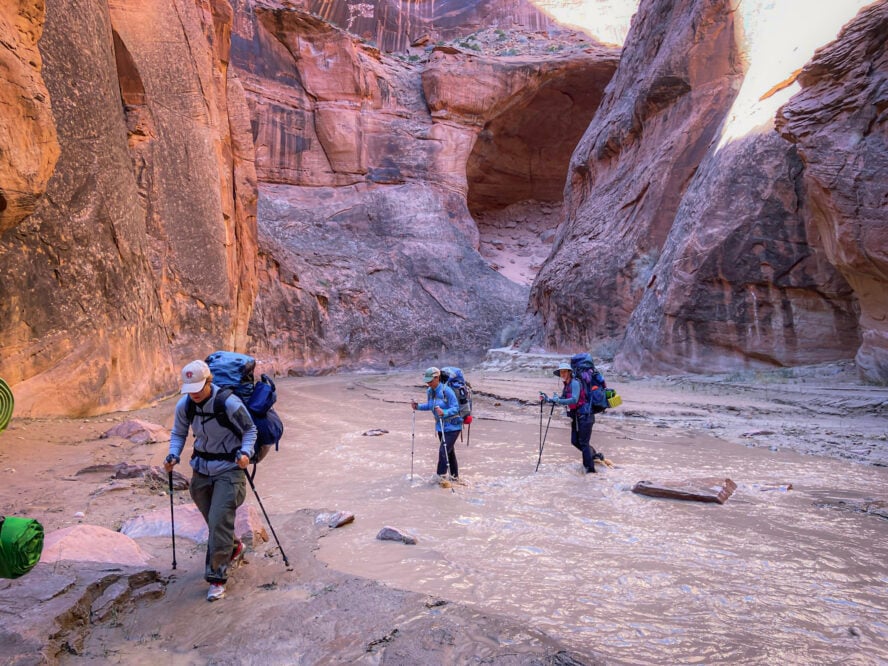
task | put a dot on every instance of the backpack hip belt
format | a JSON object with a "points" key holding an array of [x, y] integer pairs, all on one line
{"points": [[204, 455]]}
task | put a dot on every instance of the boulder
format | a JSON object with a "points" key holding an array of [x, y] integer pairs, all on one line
{"points": [[630, 169], [91, 543], [138, 432], [190, 524], [335, 519], [394, 534]]}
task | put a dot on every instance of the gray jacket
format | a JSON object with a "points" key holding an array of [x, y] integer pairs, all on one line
{"points": [[210, 436]]}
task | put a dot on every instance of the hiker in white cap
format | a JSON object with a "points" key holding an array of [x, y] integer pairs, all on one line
{"points": [[573, 396], [443, 403], [218, 461]]}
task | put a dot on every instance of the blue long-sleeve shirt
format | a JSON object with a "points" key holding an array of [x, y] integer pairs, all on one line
{"points": [[443, 396]]}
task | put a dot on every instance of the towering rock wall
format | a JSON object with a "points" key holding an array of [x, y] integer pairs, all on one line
{"points": [[839, 124], [141, 252], [28, 145], [394, 26], [369, 250], [687, 242], [678, 76]]}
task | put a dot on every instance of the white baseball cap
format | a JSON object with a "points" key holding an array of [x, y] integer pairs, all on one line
{"points": [[195, 376]]}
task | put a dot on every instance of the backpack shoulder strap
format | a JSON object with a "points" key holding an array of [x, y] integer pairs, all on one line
{"points": [[221, 413]]}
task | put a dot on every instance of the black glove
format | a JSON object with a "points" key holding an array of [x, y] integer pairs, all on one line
{"points": [[172, 458]]}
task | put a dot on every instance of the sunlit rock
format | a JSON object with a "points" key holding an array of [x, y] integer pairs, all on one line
{"points": [[396, 26], [685, 244], [142, 254], [28, 145]]}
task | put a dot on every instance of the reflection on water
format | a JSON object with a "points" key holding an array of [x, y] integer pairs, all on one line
{"points": [[770, 577]]}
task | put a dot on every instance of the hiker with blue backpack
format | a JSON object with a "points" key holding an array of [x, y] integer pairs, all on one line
{"points": [[219, 460], [576, 396], [444, 405]]}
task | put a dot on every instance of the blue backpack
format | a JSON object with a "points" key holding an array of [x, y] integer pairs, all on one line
{"points": [[454, 378], [233, 373], [591, 382]]}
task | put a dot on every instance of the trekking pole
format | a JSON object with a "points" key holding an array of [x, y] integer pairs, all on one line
{"points": [[412, 441], [543, 442], [541, 425], [172, 518], [264, 513]]}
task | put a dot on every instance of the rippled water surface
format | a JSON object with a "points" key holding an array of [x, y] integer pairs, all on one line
{"points": [[772, 576]]}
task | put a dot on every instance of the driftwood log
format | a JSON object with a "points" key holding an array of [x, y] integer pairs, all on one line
{"points": [[695, 490]]}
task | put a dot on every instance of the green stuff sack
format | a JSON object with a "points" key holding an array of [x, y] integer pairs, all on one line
{"points": [[21, 542]]}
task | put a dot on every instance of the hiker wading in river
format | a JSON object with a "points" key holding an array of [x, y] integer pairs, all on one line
{"points": [[579, 410], [442, 402]]}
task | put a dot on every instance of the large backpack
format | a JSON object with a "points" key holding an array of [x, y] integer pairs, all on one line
{"points": [[454, 378], [233, 373], [592, 384]]}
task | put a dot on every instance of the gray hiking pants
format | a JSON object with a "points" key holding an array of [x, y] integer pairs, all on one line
{"points": [[218, 497]]}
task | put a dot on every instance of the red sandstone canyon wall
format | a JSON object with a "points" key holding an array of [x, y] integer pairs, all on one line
{"points": [[839, 125], [370, 250], [695, 236], [141, 250]]}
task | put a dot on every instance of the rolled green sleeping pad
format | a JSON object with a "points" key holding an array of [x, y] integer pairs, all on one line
{"points": [[21, 543], [6, 404]]}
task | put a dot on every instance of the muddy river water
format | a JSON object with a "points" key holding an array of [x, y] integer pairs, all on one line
{"points": [[775, 575]]}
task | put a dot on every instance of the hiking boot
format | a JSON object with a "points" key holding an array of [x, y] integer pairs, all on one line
{"points": [[216, 592], [237, 554], [591, 470]]}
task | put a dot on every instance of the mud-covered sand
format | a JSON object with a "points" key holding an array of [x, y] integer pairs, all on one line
{"points": [[309, 613]]}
